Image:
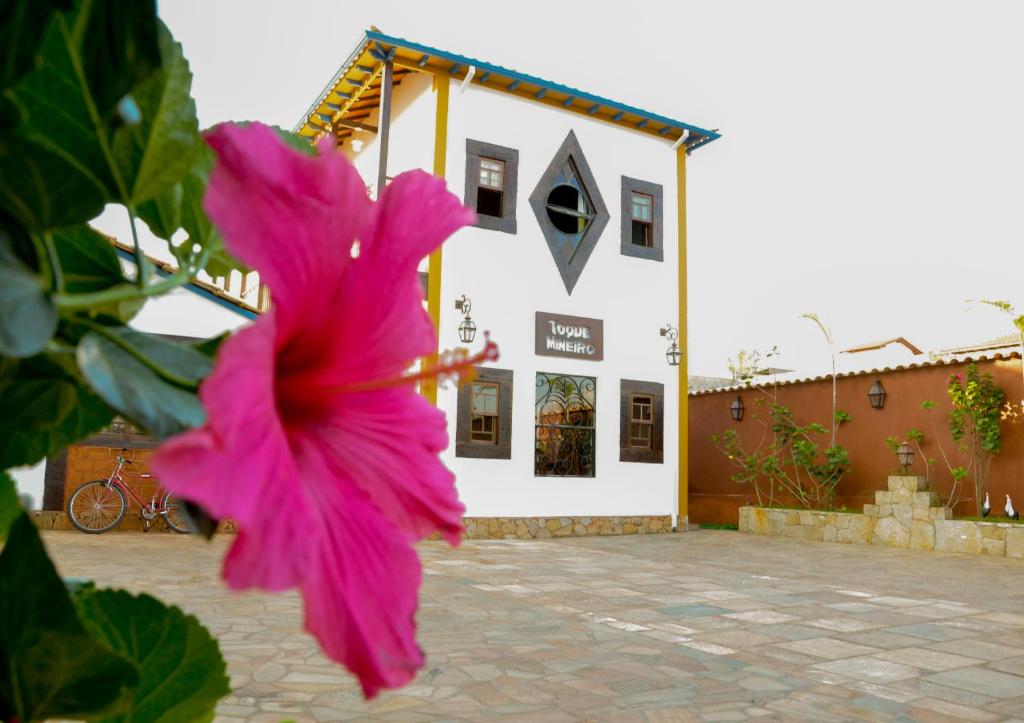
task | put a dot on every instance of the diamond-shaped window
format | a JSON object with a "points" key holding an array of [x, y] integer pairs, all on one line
{"points": [[570, 210]]}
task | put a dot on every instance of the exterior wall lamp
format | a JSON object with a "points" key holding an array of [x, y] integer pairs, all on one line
{"points": [[467, 329], [737, 408], [906, 456], [877, 395], [673, 354], [356, 142]]}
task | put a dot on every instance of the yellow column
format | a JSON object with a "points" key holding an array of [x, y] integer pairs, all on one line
{"points": [[684, 410], [441, 86]]}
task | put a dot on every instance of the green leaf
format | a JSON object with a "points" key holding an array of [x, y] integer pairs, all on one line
{"points": [[135, 390], [87, 259], [210, 346], [163, 213], [181, 671], [45, 187], [45, 409], [10, 508], [70, 154], [22, 23], [182, 207], [152, 155], [183, 361], [27, 316], [89, 264], [49, 666], [119, 48]]}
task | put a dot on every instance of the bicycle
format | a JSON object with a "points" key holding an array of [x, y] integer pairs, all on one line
{"points": [[99, 506]]}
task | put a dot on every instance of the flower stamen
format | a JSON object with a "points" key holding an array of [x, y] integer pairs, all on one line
{"points": [[451, 364]]}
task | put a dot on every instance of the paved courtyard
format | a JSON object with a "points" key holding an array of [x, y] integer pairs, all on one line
{"points": [[709, 625]]}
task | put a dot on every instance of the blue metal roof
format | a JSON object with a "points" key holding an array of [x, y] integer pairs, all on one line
{"points": [[194, 288], [378, 43]]}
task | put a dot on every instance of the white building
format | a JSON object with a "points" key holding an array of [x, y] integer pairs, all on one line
{"points": [[576, 263]]}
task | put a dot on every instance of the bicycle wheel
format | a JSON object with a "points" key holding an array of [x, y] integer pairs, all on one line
{"points": [[96, 507], [174, 515]]}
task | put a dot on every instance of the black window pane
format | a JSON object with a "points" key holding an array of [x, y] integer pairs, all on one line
{"points": [[641, 234], [488, 202]]}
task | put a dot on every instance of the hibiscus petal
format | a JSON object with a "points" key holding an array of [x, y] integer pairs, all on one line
{"points": [[395, 434], [414, 215], [381, 289], [239, 464], [361, 593], [273, 202]]}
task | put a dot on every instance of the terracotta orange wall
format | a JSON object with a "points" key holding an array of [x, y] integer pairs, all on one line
{"points": [[715, 497], [87, 463]]}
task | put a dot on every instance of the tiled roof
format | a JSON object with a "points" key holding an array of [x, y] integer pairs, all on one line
{"points": [[872, 346], [957, 359], [1000, 342], [698, 383]]}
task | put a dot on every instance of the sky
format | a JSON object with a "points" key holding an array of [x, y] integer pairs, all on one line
{"points": [[870, 168]]}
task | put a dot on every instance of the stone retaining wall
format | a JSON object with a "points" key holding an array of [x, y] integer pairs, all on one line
{"points": [[907, 514], [476, 528]]}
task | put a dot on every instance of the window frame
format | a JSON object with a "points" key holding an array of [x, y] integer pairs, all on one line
{"points": [[647, 223], [640, 422], [591, 427], [629, 389], [570, 252], [654, 252], [465, 445], [477, 151]]}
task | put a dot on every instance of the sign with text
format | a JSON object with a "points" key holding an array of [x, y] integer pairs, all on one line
{"points": [[576, 337]]}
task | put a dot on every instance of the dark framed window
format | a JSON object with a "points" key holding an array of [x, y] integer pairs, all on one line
{"points": [[642, 219], [483, 425], [565, 415], [492, 185], [641, 421]]}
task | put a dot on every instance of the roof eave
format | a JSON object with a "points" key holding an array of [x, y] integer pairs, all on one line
{"points": [[574, 99]]}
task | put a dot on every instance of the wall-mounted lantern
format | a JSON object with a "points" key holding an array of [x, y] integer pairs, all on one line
{"points": [[673, 355], [737, 408], [906, 456], [356, 142], [467, 329], [877, 395]]}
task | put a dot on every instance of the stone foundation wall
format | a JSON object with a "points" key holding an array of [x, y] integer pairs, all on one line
{"points": [[907, 514], [525, 528], [476, 528]]}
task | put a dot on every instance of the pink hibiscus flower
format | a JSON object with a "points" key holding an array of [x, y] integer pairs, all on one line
{"points": [[316, 442]]}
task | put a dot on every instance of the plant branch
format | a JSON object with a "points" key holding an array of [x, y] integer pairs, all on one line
{"points": [[54, 262], [141, 262], [121, 292]]}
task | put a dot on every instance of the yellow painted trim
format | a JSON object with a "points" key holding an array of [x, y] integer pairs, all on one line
{"points": [[684, 410], [441, 87]]}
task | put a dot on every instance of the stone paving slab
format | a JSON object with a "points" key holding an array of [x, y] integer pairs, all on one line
{"points": [[703, 626]]}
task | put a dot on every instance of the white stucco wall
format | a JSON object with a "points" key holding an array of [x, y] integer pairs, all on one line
{"points": [[510, 277]]}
